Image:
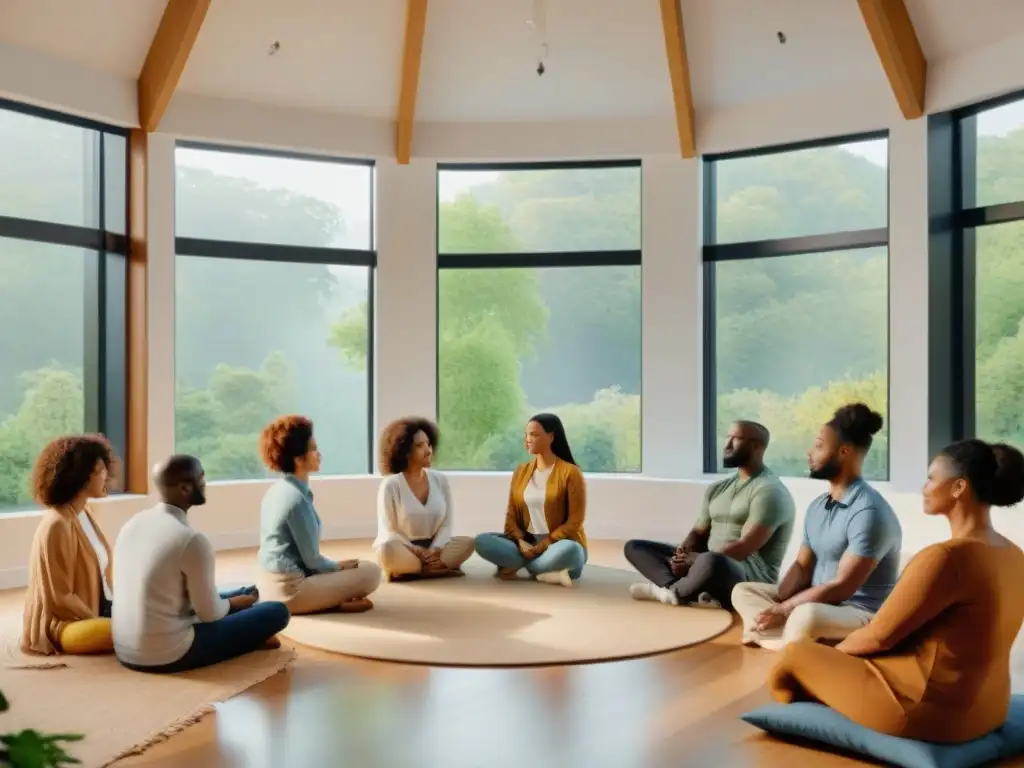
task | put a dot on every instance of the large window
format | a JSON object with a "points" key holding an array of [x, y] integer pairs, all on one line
{"points": [[796, 294], [988, 147], [274, 297], [539, 310], [62, 282]]}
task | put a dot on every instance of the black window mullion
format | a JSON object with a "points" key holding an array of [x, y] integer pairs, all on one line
{"points": [[94, 321], [371, 421], [542, 165], [540, 260], [796, 246], [709, 328], [300, 254]]}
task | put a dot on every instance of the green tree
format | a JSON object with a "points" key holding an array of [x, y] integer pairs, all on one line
{"points": [[52, 404], [498, 361], [243, 328], [253, 334], [221, 423], [489, 321], [798, 336], [999, 285]]}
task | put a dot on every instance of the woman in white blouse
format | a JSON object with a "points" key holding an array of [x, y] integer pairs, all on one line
{"points": [[415, 511]]}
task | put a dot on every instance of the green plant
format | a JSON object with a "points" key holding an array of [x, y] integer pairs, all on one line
{"points": [[31, 749]]}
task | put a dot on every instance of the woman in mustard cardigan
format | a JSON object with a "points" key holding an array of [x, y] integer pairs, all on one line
{"points": [[547, 503], [69, 600]]}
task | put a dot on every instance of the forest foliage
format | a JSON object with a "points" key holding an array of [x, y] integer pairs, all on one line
{"points": [[796, 336]]}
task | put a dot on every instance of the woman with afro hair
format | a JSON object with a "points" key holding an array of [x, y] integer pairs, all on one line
{"points": [[293, 571], [415, 510], [68, 603]]}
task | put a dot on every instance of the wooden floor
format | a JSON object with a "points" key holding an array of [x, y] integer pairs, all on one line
{"points": [[678, 709]]}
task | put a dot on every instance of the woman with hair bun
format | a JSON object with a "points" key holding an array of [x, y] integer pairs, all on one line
{"points": [[69, 599], [292, 569], [934, 662]]}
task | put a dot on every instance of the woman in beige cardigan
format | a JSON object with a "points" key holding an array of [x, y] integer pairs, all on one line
{"points": [[68, 604]]}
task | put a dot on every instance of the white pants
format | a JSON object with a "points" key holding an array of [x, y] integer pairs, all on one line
{"points": [[321, 591], [812, 621], [396, 559]]}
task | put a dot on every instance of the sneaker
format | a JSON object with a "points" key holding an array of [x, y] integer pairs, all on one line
{"points": [[559, 578], [643, 591]]}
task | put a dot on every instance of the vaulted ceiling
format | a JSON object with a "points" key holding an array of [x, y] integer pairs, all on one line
{"points": [[451, 61]]}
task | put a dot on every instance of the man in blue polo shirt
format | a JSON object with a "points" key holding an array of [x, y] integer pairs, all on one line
{"points": [[850, 557]]}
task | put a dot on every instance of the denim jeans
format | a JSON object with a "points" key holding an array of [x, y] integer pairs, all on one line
{"points": [[560, 555], [236, 634]]}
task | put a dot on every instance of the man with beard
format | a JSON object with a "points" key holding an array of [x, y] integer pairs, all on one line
{"points": [[741, 533], [850, 557], [170, 616]]}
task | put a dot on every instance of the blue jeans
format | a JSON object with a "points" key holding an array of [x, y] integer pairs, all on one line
{"points": [[235, 635], [560, 555]]}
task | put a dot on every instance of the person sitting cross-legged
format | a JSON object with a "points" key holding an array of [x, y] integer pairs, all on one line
{"points": [[69, 597], [293, 571], [741, 534], [934, 663], [169, 616], [850, 556], [547, 505], [415, 508]]}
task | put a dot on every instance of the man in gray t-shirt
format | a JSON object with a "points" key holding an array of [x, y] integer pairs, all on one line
{"points": [[741, 534], [849, 559]]}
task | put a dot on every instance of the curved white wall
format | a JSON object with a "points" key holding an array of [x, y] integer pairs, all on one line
{"points": [[663, 502]]}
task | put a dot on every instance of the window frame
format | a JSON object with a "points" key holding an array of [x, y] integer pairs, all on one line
{"points": [[630, 257], [239, 250], [954, 218], [712, 253], [105, 321]]}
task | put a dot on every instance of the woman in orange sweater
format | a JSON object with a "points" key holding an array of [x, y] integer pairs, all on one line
{"points": [[547, 503], [934, 662], [69, 600]]}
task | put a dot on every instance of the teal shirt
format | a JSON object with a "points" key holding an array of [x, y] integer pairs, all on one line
{"points": [[732, 505], [290, 530]]}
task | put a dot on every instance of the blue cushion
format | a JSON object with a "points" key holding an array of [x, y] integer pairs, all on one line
{"points": [[817, 722]]}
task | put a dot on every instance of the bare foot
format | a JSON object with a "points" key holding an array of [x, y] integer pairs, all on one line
{"points": [[508, 574], [272, 643], [356, 606]]}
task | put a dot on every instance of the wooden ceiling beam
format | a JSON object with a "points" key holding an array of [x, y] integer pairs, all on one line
{"points": [[679, 72], [899, 50], [412, 54], [137, 449], [168, 54]]}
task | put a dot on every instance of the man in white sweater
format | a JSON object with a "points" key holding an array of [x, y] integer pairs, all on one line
{"points": [[170, 616]]}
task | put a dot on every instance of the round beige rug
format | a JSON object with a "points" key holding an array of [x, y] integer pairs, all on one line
{"points": [[478, 620]]}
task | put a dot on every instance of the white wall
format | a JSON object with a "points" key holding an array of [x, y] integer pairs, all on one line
{"points": [[661, 503]]}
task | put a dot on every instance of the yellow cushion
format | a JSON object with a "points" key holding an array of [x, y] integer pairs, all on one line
{"points": [[87, 636]]}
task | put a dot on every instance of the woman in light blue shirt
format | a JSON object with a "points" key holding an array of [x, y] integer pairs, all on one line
{"points": [[292, 568]]}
